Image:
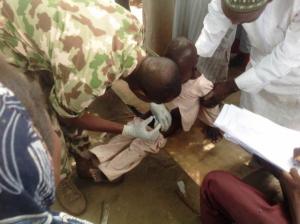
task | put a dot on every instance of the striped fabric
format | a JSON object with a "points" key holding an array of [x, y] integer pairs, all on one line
{"points": [[26, 175]]}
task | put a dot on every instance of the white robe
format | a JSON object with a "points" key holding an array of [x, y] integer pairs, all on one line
{"points": [[271, 84]]}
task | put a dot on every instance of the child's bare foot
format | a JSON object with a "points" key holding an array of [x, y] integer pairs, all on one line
{"points": [[214, 134], [87, 168]]}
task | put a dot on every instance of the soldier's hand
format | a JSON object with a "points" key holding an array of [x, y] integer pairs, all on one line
{"points": [[162, 115], [140, 129]]}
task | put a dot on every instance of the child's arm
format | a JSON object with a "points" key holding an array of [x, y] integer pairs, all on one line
{"points": [[207, 116], [139, 113], [176, 123]]}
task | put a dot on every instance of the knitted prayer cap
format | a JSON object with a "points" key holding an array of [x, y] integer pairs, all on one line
{"points": [[245, 5]]}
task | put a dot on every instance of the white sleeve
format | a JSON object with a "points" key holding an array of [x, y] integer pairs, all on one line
{"points": [[215, 27], [284, 57]]}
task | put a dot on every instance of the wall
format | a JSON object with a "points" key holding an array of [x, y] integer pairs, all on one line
{"points": [[158, 32]]}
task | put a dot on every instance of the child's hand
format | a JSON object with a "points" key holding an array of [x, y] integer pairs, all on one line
{"points": [[290, 183]]}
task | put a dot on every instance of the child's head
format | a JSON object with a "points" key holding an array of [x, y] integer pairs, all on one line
{"points": [[156, 80], [184, 53]]}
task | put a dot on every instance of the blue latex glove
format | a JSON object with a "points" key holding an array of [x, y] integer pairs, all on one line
{"points": [[162, 115], [140, 129]]}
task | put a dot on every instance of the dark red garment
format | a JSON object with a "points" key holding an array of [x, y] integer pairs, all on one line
{"points": [[226, 199]]}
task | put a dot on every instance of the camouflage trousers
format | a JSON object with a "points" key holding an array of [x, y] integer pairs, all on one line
{"points": [[65, 160]]}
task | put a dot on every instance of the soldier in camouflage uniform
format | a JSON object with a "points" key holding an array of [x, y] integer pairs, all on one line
{"points": [[85, 45]]}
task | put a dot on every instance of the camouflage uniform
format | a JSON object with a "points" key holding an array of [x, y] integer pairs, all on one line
{"points": [[84, 45]]}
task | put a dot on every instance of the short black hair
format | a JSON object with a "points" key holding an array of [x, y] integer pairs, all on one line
{"points": [[160, 79], [184, 53], [178, 46]]}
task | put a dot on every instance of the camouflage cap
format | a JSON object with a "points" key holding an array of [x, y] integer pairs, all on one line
{"points": [[245, 5]]}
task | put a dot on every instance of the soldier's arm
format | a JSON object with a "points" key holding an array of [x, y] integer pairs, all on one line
{"points": [[93, 122]]}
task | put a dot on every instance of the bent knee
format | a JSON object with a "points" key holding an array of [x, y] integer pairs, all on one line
{"points": [[216, 180]]}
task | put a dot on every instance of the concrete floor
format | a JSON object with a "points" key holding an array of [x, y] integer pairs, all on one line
{"points": [[146, 196], [148, 193]]}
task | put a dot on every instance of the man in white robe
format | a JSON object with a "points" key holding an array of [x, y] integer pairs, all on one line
{"points": [[271, 87], [271, 84]]}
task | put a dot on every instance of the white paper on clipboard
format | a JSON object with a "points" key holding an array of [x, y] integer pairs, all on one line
{"points": [[260, 136]]}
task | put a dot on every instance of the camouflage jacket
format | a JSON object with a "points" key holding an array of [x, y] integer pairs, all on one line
{"points": [[85, 44]]}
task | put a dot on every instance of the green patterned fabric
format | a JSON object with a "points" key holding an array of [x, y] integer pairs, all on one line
{"points": [[245, 5], [85, 44]]}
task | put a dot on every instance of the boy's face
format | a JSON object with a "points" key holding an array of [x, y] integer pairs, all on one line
{"points": [[143, 96], [140, 94], [188, 65]]}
